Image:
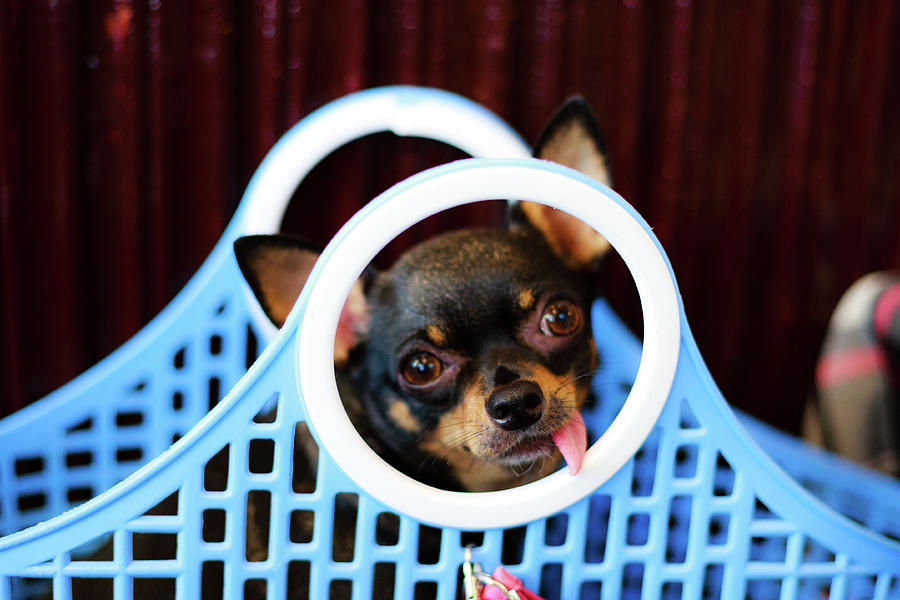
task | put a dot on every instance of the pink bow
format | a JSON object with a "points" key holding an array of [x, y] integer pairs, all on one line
{"points": [[492, 592]]}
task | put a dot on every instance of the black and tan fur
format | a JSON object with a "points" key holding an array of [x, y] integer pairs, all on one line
{"points": [[474, 304], [474, 299]]}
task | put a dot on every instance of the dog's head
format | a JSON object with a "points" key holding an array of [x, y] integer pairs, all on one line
{"points": [[472, 354]]}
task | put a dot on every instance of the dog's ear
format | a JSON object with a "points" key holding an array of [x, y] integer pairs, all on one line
{"points": [[277, 267], [572, 138]]}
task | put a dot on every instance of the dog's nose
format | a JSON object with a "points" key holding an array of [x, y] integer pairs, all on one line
{"points": [[516, 406]]}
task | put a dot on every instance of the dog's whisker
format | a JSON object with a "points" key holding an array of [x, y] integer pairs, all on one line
{"points": [[607, 384], [463, 438], [574, 379]]}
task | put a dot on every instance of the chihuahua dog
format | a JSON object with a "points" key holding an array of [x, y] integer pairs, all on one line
{"points": [[466, 364]]}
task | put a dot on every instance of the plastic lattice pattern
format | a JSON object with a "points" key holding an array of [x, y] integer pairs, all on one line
{"points": [[247, 504], [99, 428]]}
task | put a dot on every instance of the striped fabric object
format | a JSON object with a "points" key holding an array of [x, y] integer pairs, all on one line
{"points": [[858, 373]]}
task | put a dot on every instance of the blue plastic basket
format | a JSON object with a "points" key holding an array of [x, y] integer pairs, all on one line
{"points": [[677, 498], [91, 433]]}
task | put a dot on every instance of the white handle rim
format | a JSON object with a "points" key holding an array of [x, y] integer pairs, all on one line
{"points": [[419, 197], [404, 110]]}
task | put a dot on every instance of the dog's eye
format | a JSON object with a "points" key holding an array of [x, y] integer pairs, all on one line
{"points": [[560, 317], [421, 368]]}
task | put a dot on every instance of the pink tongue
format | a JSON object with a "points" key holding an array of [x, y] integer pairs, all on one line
{"points": [[571, 439]]}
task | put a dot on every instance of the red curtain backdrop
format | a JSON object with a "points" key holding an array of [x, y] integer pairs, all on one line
{"points": [[761, 139]]}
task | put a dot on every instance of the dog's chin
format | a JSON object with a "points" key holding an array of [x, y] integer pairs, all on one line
{"points": [[525, 451]]}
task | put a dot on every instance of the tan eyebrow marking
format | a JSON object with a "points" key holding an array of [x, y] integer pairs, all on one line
{"points": [[435, 335], [526, 299]]}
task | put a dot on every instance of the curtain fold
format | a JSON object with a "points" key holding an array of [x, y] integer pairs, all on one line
{"points": [[760, 139]]}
